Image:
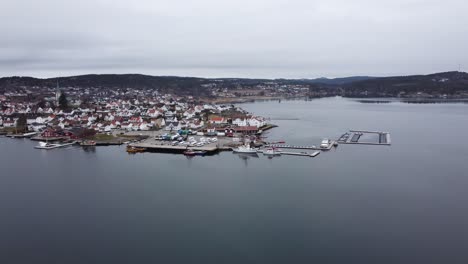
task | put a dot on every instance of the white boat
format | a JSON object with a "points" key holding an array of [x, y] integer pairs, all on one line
{"points": [[245, 149], [272, 152], [326, 144], [46, 145]]}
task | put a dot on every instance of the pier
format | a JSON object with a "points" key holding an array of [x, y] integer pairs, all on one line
{"points": [[155, 145], [173, 149], [282, 146], [40, 138], [302, 154], [292, 147]]}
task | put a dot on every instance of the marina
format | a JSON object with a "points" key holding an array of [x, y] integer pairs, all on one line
{"points": [[356, 136], [198, 145]]}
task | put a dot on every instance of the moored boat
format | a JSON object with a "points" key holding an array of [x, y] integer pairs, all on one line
{"points": [[245, 149], [132, 149], [272, 152], [88, 143], [326, 144], [47, 145], [191, 152]]}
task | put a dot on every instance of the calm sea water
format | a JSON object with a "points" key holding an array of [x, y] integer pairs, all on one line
{"points": [[406, 203]]}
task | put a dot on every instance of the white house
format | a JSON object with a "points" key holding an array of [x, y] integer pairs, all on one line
{"points": [[257, 121], [240, 122], [189, 113], [153, 113], [173, 126]]}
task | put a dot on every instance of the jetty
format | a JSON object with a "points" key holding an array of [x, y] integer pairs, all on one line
{"points": [[303, 154], [41, 138], [173, 149], [283, 146], [25, 135]]}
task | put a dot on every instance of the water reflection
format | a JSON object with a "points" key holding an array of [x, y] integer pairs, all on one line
{"points": [[246, 156], [412, 101], [89, 149]]}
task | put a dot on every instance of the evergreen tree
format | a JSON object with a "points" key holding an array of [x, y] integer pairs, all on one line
{"points": [[63, 102]]}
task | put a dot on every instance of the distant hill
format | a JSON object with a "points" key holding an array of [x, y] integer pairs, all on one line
{"points": [[449, 83], [169, 83], [107, 81], [340, 81], [358, 86]]}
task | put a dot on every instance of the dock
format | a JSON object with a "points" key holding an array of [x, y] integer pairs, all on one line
{"points": [[302, 154], [292, 147], [25, 135], [355, 136], [282, 146], [173, 149], [40, 138]]}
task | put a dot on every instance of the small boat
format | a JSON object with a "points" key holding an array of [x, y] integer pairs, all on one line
{"points": [[272, 152], [46, 145], [191, 152], [88, 143], [245, 149], [326, 144], [132, 149]]}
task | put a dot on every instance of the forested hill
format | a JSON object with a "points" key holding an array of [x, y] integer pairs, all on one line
{"points": [[449, 83], [180, 85], [148, 81], [106, 81]]}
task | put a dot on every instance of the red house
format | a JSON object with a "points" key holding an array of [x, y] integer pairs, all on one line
{"points": [[50, 133]]}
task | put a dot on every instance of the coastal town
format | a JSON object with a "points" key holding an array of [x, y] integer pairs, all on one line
{"points": [[147, 120], [69, 115], [202, 120]]}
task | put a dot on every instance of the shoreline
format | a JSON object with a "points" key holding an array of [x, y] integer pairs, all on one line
{"points": [[415, 100]]}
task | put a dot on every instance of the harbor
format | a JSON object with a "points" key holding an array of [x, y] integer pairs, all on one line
{"points": [[195, 143]]}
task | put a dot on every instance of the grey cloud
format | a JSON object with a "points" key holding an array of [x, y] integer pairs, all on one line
{"points": [[256, 38]]}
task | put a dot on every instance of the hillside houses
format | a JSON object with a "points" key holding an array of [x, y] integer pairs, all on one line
{"points": [[116, 110]]}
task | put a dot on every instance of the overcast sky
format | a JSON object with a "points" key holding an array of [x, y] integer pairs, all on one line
{"points": [[238, 38]]}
